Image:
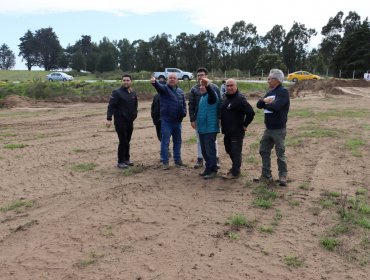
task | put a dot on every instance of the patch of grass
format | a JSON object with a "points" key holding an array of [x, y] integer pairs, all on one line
{"points": [[79, 151], [363, 208], [264, 197], [16, 204], [7, 134], [304, 186], [15, 146], [326, 203], [254, 146], [237, 220], [293, 203], [331, 194], [319, 132], [293, 261], [83, 167], [248, 184], [92, 258], [342, 114], [301, 113], [329, 243], [361, 191], [315, 211], [262, 203], [364, 222], [192, 140], [132, 170], [252, 159], [338, 230], [354, 144], [266, 229], [293, 141]]}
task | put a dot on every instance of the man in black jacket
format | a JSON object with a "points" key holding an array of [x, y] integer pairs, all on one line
{"points": [[276, 107], [123, 106], [236, 115]]}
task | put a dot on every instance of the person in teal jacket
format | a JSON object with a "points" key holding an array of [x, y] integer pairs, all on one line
{"points": [[207, 125]]}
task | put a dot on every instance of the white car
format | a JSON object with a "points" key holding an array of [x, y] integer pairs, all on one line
{"points": [[59, 76]]}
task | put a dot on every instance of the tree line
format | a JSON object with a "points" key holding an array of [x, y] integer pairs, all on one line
{"points": [[345, 47]]}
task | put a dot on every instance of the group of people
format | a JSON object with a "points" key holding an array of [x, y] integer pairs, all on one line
{"points": [[209, 111]]}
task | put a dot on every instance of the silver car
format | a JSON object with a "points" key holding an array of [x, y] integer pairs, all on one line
{"points": [[59, 76]]}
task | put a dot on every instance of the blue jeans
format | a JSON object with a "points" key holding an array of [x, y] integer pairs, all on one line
{"points": [[208, 144], [169, 129]]}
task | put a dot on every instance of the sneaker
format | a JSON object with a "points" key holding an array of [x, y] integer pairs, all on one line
{"points": [[199, 163], [265, 180], [282, 181], [165, 166], [122, 165], [229, 175], [129, 163], [210, 175], [180, 164]]}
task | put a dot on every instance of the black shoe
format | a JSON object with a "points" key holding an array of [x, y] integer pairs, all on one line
{"points": [[282, 181], [199, 163], [204, 173], [210, 175], [122, 165], [265, 180], [129, 163], [180, 164]]}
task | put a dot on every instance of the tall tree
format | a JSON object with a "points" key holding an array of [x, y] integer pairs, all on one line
{"points": [[143, 57], [7, 57], [48, 48], [224, 44], [332, 38], [268, 61], [353, 54], [78, 61], [126, 55], [274, 39], [162, 50], [28, 50], [295, 46], [351, 23]]}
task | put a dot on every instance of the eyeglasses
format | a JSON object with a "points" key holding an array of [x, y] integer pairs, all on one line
{"points": [[201, 75]]}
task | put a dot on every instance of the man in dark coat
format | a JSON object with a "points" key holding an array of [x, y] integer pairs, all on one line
{"points": [[236, 115], [123, 106]]}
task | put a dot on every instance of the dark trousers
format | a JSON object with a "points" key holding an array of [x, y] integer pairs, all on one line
{"points": [[234, 146], [208, 145], [271, 138], [124, 132], [158, 130]]}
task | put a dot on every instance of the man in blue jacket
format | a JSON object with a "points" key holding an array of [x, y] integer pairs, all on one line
{"points": [[207, 125], [172, 112], [123, 106], [276, 107]]}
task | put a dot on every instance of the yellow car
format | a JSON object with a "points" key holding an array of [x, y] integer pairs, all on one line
{"points": [[301, 76]]}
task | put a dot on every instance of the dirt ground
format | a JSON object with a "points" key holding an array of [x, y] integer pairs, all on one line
{"points": [[148, 223]]}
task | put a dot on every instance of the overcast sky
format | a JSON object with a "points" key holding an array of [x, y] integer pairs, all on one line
{"points": [[142, 19]]}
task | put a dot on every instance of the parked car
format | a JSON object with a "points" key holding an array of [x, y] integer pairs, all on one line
{"points": [[181, 75], [301, 76], [59, 76]]}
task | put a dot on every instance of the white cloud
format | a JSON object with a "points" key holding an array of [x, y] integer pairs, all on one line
{"points": [[208, 14]]}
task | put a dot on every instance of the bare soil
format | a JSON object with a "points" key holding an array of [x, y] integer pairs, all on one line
{"points": [[148, 223]]}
